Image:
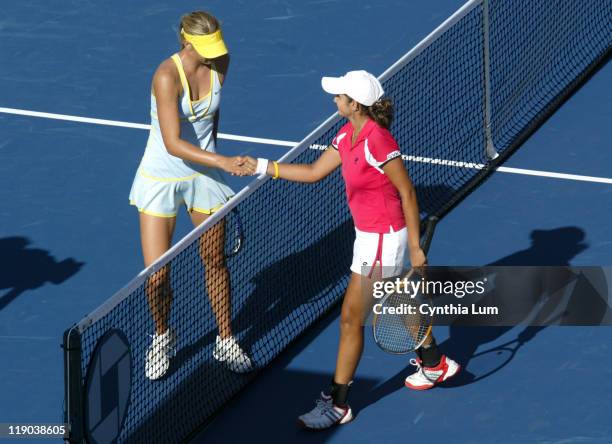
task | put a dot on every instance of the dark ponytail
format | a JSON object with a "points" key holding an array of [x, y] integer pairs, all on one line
{"points": [[381, 112]]}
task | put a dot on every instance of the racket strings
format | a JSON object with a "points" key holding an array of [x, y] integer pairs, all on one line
{"points": [[401, 327]]}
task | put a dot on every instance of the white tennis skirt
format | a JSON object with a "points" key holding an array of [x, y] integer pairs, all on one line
{"points": [[162, 197], [386, 252]]}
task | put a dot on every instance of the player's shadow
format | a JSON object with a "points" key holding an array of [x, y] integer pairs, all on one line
{"points": [[23, 268], [556, 247]]}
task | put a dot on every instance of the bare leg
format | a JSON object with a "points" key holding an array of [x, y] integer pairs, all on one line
{"points": [[156, 236], [212, 245], [355, 309]]}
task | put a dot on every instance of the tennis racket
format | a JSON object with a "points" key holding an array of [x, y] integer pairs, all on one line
{"points": [[234, 234], [398, 325]]}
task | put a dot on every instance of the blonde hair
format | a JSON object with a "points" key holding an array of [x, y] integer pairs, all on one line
{"points": [[198, 23]]}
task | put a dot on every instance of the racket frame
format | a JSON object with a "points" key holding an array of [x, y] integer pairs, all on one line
{"points": [[237, 234], [425, 244]]}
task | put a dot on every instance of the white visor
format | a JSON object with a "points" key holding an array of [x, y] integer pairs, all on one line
{"points": [[358, 85]]}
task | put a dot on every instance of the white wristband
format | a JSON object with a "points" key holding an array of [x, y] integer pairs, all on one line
{"points": [[262, 166]]}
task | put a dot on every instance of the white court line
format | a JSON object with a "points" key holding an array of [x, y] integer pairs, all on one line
{"points": [[503, 169], [554, 175], [29, 338], [287, 143], [23, 112]]}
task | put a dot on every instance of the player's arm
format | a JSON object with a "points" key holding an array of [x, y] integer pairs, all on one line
{"points": [[304, 172], [221, 66], [166, 89], [301, 172], [397, 174]]}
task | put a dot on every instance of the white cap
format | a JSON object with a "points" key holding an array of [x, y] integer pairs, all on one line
{"points": [[359, 85]]}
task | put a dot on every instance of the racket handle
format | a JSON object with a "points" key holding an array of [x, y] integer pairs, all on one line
{"points": [[430, 227]]}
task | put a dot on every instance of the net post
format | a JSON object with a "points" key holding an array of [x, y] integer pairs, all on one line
{"points": [[490, 150], [73, 395]]}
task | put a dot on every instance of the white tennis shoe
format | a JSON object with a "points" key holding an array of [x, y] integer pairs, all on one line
{"points": [[229, 352], [161, 350], [325, 414], [426, 377]]}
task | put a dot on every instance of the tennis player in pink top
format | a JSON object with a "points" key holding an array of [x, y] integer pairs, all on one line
{"points": [[384, 207]]}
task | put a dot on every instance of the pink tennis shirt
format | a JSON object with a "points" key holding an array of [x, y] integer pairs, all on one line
{"points": [[374, 201]]}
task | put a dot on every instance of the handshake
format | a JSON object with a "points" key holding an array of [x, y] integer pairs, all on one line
{"points": [[244, 166]]}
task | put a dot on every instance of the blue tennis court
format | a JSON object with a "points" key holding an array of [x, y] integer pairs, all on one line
{"points": [[69, 239]]}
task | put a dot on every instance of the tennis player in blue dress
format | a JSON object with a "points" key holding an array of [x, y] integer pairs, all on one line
{"points": [[180, 167]]}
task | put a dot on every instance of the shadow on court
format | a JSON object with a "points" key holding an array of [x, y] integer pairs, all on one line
{"points": [[25, 268], [288, 294], [556, 247], [305, 274], [430, 197], [276, 398], [260, 322]]}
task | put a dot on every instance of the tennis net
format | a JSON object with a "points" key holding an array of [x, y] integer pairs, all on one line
{"points": [[466, 97]]}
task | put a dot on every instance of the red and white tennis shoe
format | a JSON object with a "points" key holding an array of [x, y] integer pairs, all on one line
{"points": [[427, 377]]}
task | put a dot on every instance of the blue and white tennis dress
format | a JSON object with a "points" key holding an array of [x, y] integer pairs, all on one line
{"points": [[164, 182]]}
